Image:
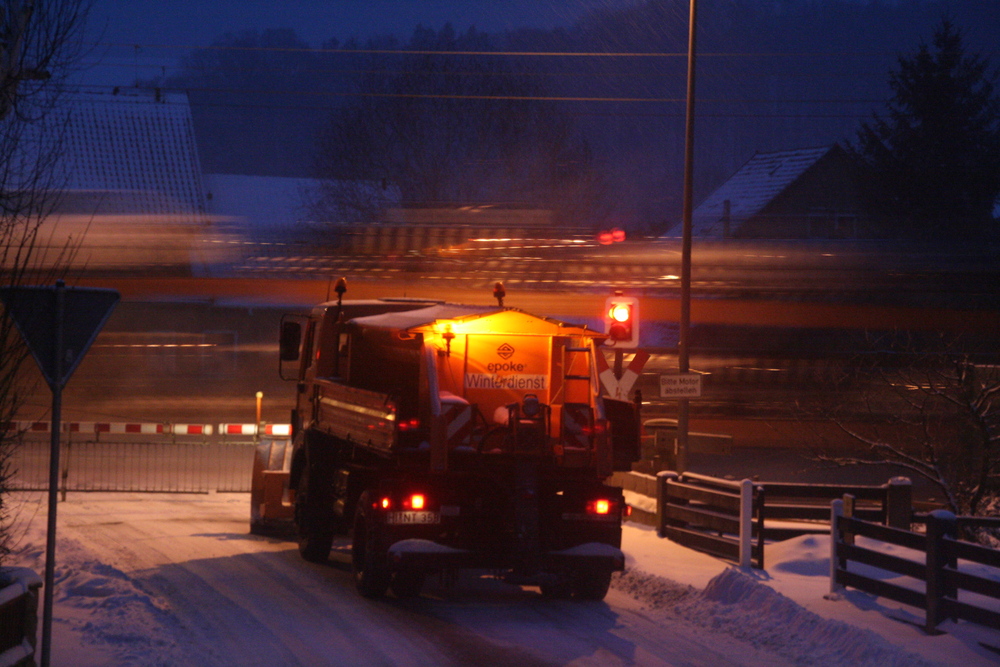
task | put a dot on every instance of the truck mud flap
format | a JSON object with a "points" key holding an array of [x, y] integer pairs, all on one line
{"points": [[428, 556]]}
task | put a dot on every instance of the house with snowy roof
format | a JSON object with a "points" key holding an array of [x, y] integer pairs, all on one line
{"points": [[793, 194], [131, 195], [133, 152]]}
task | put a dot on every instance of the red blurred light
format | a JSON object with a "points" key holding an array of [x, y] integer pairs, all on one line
{"points": [[409, 425], [418, 501]]}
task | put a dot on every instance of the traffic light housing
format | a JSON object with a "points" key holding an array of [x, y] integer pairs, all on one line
{"points": [[621, 321]]}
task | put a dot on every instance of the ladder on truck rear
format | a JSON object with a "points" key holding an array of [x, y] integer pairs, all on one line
{"points": [[576, 423]]}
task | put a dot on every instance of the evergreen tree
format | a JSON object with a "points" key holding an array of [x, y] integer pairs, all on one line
{"points": [[930, 167]]}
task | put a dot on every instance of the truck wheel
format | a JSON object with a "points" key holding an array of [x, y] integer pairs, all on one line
{"points": [[315, 524], [371, 569], [592, 585], [559, 589], [407, 584]]}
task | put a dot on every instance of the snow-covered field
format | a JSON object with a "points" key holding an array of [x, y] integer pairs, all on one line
{"points": [[156, 579]]}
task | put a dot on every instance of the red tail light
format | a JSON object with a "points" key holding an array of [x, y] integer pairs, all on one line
{"points": [[409, 425], [416, 501], [600, 506]]}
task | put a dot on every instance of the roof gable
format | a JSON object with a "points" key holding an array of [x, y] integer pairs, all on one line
{"points": [[752, 187]]}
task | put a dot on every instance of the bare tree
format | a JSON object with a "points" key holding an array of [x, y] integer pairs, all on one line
{"points": [[935, 414], [40, 46]]}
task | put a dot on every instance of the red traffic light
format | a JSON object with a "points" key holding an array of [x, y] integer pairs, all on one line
{"points": [[621, 321]]}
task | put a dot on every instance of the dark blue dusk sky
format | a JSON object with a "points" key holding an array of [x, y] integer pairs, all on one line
{"points": [[136, 39]]}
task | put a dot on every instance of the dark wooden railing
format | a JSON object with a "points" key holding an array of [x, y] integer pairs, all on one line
{"points": [[937, 566]]}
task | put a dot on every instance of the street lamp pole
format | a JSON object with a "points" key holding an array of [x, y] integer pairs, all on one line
{"points": [[683, 347]]}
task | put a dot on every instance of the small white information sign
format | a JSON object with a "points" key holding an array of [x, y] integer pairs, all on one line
{"points": [[680, 385]]}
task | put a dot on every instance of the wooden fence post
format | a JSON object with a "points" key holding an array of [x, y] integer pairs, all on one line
{"points": [[746, 523], [940, 524], [662, 478], [758, 511], [898, 503], [848, 508], [836, 511]]}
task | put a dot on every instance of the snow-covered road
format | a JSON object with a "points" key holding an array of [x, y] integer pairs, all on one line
{"points": [[158, 579], [177, 580]]}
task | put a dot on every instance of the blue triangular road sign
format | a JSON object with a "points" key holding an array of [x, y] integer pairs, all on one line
{"points": [[35, 311]]}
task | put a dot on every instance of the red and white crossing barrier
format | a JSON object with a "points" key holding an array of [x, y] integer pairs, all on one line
{"points": [[146, 428], [118, 428], [255, 429], [193, 429], [237, 429]]}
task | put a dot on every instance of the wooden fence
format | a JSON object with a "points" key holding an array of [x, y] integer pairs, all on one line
{"points": [[734, 520], [712, 515], [944, 579], [805, 508]]}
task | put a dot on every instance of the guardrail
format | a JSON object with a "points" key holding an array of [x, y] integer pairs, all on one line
{"points": [[944, 577]]}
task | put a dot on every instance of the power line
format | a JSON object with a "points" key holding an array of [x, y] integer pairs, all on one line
{"points": [[486, 97], [576, 112], [524, 54], [743, 75]]}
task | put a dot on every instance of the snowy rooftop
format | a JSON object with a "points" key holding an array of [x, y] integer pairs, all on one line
{"points": [[139, 148], [752, 187]]}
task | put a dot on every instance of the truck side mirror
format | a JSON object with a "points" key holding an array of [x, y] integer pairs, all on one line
{"points": [[291, 336]]}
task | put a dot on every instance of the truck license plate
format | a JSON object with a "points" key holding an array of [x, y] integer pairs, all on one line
{"points": [[404, 518]]}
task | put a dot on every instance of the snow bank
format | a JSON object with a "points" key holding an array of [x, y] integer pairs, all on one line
{"points": [[112, 618], [753, 611], [737, 604]]}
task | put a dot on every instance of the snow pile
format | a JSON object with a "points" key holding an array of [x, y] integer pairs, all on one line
{"points": [[752, 611], [739, 605], [115, 620]]}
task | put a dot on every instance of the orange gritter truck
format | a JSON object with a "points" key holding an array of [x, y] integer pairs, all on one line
{"points": [[442, 436]]}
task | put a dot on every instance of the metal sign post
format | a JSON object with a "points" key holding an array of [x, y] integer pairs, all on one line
{"points": [[684, 345], [59, 324]]}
